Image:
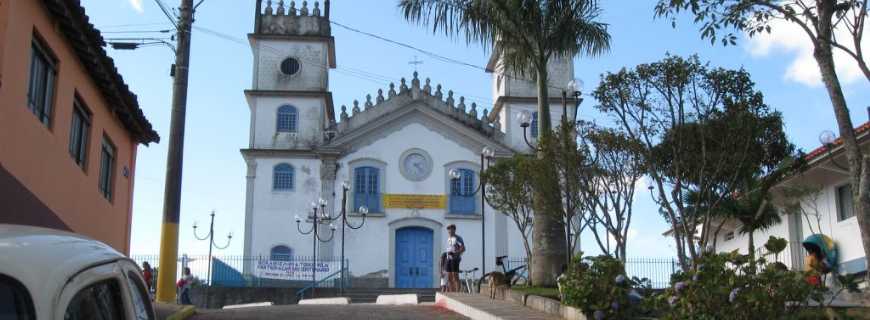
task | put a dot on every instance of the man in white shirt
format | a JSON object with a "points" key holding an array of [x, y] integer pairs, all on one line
{"points": [[455, 248]]}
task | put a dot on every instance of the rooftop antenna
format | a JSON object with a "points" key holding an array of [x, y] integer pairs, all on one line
{"points": [[416, 62]]}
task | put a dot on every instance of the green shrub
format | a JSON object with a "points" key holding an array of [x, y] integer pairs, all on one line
{"points": [[600, 287], [726, 286]]}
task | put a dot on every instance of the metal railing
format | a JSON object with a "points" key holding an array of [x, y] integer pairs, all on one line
{"points": [[238, 271], [319, 284], [657, 270]]}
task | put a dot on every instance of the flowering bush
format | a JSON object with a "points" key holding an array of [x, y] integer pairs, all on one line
{"points": [[727, 286], [599, 287]]}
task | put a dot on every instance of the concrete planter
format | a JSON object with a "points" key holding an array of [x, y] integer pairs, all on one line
{"points": [[516, 297], [546, 305]]}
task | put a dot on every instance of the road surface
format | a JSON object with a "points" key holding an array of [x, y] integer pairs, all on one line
{"points": [[321, 312]]}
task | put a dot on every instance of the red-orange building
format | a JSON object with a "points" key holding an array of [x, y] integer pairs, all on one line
{"points": [[69, 125]]}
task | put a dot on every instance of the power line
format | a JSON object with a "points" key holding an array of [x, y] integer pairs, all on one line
{"points": [[112, 26], [166, 12], [434, 55], [431, 54], [137, 31], [353, 72]]}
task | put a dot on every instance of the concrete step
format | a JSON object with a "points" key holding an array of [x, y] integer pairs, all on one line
{"points": [[367, 295]]}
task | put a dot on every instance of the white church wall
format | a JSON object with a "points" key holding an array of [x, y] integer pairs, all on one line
{"points": [[369, 248], [499, 85], [265, 113], [312, 57], [560, 72], [274, 211], [514, 133]]}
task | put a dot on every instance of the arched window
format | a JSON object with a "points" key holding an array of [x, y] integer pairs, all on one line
{"points": [[281, 253], [462, 193], [287, 119], [534, 124], [282, 177], [366, 189]]}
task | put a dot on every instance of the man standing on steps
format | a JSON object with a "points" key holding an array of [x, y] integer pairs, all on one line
{"points": [[455, 248]]}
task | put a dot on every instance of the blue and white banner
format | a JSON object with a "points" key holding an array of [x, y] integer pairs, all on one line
{"points": [[295, 270]]}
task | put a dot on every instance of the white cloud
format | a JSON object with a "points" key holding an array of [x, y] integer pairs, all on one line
{"points": [[137, 5], [788, 38]]}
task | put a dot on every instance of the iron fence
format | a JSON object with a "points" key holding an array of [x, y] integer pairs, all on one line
{"points": [[238, 271], [657, 270]]}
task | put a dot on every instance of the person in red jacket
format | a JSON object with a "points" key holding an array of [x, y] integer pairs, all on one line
{"points": [[148, 275]]}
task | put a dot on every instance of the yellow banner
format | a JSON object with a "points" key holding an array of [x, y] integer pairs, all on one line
{"points": [[414, 201]]}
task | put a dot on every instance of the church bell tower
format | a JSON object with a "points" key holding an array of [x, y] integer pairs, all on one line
{"points": [[293, 51], [291, 115]]}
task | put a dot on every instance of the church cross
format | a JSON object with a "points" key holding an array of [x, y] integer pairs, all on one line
{"points": [[416, 62]]}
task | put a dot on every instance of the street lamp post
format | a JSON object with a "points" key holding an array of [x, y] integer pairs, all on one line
{"points": [[211, 243], [363, 210], [486, 156], [317, 220], [525, 117]]}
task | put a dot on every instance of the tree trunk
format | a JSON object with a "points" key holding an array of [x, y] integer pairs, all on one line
{"points": [[548, 234], [752, 251], [528, 261], [858, 171]]}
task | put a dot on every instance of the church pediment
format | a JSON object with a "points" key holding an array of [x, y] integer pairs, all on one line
{"points": [[417, 104], [416, 112]]}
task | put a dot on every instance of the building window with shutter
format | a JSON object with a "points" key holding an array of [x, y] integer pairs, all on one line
{"points": [[462, 199], [366, 189], [107, 168], [281, 253], [287, 119], [282, 177], [43, 78], [845, 207], [80, 129]]}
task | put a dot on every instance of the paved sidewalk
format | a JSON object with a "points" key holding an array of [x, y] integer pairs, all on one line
{"points": [[322, 312], [166, 311], [480, 307]]}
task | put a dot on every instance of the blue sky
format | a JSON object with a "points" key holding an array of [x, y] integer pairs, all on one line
{"points": [[218, 116]]}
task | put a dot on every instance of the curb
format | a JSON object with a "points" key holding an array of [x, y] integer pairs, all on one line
{"points": [[182, 314], [463, 309]]}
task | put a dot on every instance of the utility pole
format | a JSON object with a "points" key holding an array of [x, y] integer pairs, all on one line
{"points": [[174, 160]]}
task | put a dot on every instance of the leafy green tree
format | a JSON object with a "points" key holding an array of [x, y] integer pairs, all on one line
{"points": [[701, 129], [613, 175], [509, 190], [819, 20], [753, 209], [526, 34]]}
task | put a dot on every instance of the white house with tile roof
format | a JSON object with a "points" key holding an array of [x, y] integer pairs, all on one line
{"points": [[827, 210]]}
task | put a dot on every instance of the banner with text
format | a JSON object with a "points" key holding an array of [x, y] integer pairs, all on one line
{"points": [[414, 201], [294, 270]]}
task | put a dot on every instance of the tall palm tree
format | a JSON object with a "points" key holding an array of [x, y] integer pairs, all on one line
{"points": [[754, 210], [526, 34]]}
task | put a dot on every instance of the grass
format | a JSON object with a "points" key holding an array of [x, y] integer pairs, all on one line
{"points": [[552, 293]]}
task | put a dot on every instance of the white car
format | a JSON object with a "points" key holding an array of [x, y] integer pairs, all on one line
{"points": [[51, 274]]}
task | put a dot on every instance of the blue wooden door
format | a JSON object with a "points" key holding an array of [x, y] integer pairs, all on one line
{"points": [[414, 258]]}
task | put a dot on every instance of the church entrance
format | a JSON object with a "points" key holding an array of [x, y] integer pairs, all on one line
{"points": [[414, 257]]}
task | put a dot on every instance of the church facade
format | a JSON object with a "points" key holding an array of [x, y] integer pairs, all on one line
{"points": [[394, 152]]}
